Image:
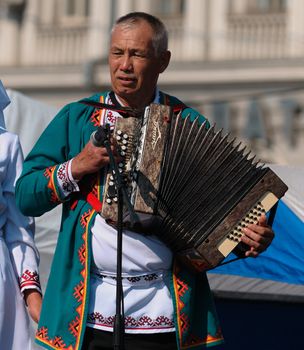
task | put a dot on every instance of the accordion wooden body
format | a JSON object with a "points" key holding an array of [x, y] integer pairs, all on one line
{"points": [[191, 185]]}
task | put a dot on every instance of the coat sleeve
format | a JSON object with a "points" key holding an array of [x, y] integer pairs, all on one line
{"points": [[19, 229], [37, 189]]}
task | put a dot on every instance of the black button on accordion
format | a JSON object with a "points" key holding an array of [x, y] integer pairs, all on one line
{"points": [[191, 185]]}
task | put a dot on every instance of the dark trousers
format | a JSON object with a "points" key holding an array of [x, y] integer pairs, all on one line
{"points": [[95, 339]]}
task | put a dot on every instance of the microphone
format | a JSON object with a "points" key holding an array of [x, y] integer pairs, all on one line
{"points": [[99, 137]]}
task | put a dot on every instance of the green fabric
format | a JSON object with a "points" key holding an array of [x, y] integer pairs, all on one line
{"points": [[63, 317], [196, 320]]}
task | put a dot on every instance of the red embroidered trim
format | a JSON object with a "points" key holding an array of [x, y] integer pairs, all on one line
{"points": [[95, 117], [195, 340], [49, 173], [110, 118], [80, 289], [64, 179], [181, 287], [82, 254], [74, 327], [85, 218], [183, 321], [56, 343], [79, 294], [144, 322], [59, 343], [42, 333], [29, 278]]}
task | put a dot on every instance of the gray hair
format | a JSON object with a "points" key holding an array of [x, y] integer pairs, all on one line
{"points": [[160, 38]]}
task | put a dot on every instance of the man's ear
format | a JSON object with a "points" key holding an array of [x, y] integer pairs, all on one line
{"points": [[165, 59]]}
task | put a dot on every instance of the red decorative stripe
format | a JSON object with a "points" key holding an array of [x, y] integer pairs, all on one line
{"points": [[94, 202], [178, 108], [29, 278]]}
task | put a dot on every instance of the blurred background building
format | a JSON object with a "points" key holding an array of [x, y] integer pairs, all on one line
{"points": [[240, 62]]}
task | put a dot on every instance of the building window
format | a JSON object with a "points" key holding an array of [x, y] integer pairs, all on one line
{"points": [[168, 8], [236, 7], [76, 8], [72, 12], [266, 6]]}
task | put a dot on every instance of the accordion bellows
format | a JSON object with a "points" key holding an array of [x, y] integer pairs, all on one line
{"points": [[202, 187]]}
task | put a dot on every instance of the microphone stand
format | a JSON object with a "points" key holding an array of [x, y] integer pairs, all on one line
{"points": [[102, 138], [119, 320]]}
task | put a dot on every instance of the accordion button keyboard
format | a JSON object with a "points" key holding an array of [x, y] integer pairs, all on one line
{"points": [[227, 244]]}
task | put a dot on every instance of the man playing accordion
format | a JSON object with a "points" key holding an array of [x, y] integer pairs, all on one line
{"points": [[166, 306]]}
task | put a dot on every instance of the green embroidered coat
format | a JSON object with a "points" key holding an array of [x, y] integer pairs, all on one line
{"points": [[63, 317]]}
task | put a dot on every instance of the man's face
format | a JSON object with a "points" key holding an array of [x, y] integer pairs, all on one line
{"points": [[134, 68]]}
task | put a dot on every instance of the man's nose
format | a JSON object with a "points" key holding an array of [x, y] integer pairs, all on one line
{"points": [[126, 63]]}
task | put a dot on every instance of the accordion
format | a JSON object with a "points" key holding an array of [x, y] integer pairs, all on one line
{"points": [[191, 185]]}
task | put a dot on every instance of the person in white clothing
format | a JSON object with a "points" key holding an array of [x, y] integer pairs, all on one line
{"points": [[19, 279]]}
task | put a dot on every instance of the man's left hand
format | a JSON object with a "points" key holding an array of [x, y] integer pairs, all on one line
{"points": [[258, 237]]}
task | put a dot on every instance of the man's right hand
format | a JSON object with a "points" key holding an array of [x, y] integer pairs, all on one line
{"points": [[90, 160]]}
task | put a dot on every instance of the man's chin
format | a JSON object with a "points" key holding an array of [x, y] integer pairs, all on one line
{"points": [[125, 92]]}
